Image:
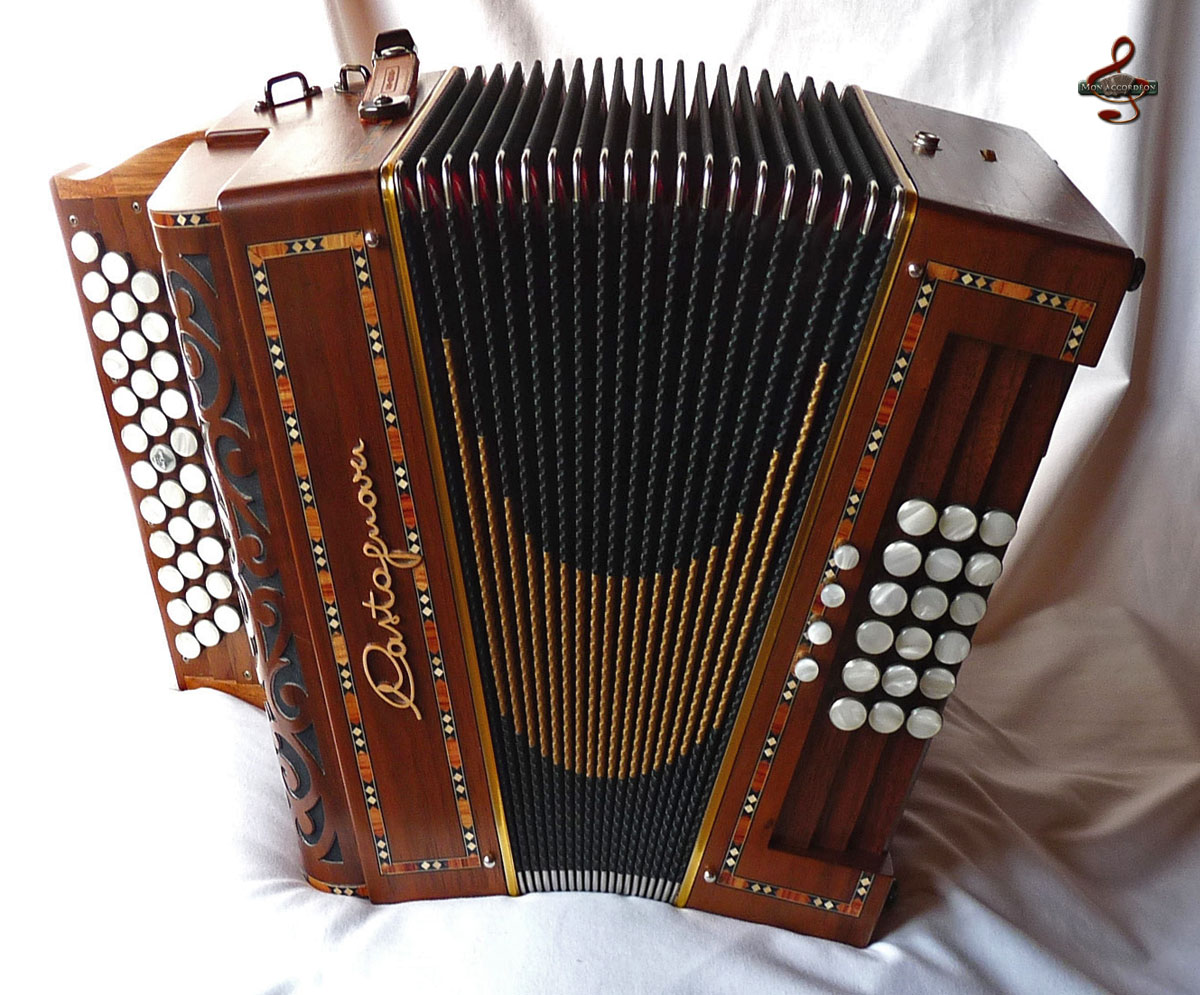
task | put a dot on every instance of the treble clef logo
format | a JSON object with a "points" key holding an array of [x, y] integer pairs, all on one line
{"points": [[1115, 87]]}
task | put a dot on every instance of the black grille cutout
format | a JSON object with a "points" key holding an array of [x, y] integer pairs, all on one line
{"points": [[638, 313]]}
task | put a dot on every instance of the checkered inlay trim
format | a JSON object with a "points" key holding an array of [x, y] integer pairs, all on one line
{"points": [[1080, 309], [352, 242], [1081, 312]]}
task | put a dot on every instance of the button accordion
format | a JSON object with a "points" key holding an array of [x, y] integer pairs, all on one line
{"points": [[598, 477]]}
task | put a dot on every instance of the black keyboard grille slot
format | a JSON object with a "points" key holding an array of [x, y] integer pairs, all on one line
{"points": [[638, 314]]}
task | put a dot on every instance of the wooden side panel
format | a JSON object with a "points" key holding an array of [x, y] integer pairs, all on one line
{"points": [[956, 406], [327, 348], [138, 364], [202, 294]]}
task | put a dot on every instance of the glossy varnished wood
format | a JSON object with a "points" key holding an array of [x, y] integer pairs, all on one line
{"points": [[318, 176], [201, 283], [112, 202], [975, 415]]}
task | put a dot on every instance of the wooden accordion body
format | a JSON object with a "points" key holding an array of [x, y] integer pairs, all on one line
{"points": [[611, 479]]}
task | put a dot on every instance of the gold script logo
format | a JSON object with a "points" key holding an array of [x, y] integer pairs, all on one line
{"points": [[389, 658]]}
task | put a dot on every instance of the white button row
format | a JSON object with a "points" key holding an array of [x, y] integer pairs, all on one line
{"points": [[957, 522], [885, 717]]}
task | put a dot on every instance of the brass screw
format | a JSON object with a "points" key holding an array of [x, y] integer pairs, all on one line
{"points": [[245, 675], [710, 876], [489, 860], [915, 270]]}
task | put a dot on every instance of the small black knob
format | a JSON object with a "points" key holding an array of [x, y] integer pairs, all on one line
{"points": [[1138, 275]]}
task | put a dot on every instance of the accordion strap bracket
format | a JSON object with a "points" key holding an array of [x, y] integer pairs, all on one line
{"points": [[268, 102]]}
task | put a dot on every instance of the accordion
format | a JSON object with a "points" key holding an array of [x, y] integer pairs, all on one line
{"points": [[597, 475]]}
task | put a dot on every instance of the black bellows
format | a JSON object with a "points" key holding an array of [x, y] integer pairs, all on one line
{"points": [[638, 318]]}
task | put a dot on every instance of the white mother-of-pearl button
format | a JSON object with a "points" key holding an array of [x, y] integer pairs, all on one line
{"points": [[929, 603], [916, 517], [164, 366], [887, 599], [184, 441], [860, 674], [105, 327], [190, 565], [833, 595], [154, 422], [162, 457], [211, 550], [219, 585], [957, 523], [133, 344], [162, 545], [170, 579], [144, 384], [804, 670], [124, 402], [188, 646], [202, 514], [847, 714], [899, 680], [845, 557], [983, 569], [913, 642], [114, 364], [207, 633], [942, 564], [901, 558], [94, 287], [937, 683], [193, 478], [134, 439], [951, 647], [967, 608], [84, 247], [819, 632], [181, 530], [178, 611], [152, 510], [143, 474], [874, 636], [198, 599], [174, 403], [124, 307], [228, 619], [173, 496], [114, 267], [923, 723], [155, 327], [144, 286], [886, 717], [997, 528]]}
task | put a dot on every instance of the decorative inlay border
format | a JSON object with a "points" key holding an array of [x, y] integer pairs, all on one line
{"points": [[355, 890], [353, 242], [186, 219], [1080, 309], [936, 273]]}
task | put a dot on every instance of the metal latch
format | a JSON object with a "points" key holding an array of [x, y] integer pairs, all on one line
{"points": [[391, 90]]}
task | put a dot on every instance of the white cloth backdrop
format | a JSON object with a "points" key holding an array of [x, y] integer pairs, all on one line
{"points": [[1053, 842]]}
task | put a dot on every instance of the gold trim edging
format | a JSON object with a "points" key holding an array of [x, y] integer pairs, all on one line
{"points": [[767, 646], [391, 210]]}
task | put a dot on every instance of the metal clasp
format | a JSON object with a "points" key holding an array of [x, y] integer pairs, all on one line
{"points": [[391, 88]]}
